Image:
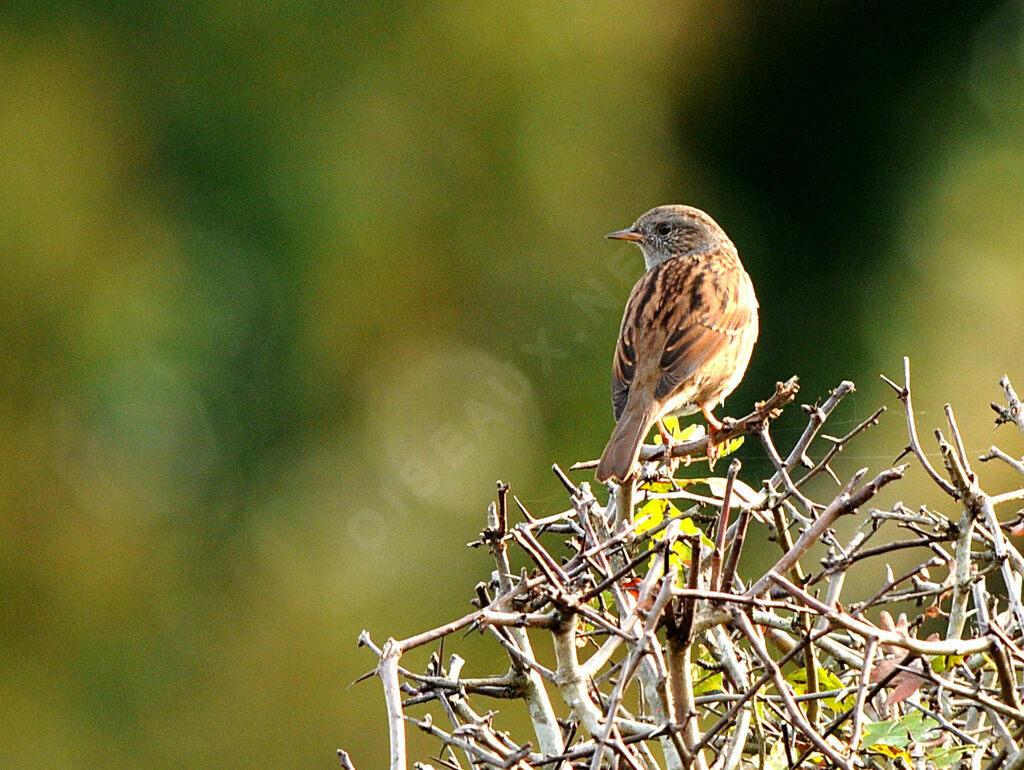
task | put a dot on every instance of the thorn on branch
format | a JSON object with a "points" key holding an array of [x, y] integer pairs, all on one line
{"points": [[502, 508], [566, 481]]}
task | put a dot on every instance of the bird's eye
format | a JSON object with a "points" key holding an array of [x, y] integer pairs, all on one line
{"points": [[664, 228]]}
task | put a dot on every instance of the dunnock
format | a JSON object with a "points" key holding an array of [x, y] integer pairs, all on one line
{"points": [[687, 333]]}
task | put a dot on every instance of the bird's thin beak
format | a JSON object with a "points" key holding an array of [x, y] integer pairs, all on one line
{"points": [[629, 234]]}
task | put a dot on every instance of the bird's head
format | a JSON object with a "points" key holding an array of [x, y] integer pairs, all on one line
{"points": [[671, 231]]}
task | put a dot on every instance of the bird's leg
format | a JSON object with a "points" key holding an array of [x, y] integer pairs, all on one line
{"points": [[714, 428], [669, 441], [666, 435]]}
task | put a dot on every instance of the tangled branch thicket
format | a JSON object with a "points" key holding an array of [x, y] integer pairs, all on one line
{"points": [[667, 657]]}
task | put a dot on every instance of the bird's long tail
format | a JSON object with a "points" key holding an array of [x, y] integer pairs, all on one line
{"points": [[624, 445]]}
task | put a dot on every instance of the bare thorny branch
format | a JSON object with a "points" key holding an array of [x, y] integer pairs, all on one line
{"points": [[667, 656]]}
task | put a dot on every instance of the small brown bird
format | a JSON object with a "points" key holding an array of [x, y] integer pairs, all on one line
{"points": [[687, 333]]}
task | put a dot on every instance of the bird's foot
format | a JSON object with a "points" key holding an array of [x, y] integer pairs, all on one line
{"points": [[714, 429], [669, 440]]}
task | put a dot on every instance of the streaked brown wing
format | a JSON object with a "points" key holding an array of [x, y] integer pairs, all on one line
{"points": [[623, 366], [699, 321], [640, 337], [704, 327]]}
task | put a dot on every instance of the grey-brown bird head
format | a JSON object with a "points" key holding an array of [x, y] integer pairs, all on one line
{"points": [[670, 231]]}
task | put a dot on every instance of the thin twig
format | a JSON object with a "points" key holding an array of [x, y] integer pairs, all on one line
{"points": [[903, 393], [871, 644], [1014, 409], [995, 453], [718, 555]]}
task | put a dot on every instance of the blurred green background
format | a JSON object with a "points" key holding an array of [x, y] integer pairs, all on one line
{"points": [[285, 288]]}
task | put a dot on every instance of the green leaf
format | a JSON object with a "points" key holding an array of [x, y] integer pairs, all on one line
{"points": [[763, 713], [921, 728], [946, 756], [710, 683], [941, 663], [887, 733], [608, 597], [893, 736], [776, 759], [826, 681], [651, 514], [893, 753], [680, 556], [656, 486], [687, 527], [677, 433], [739, 488], [730, 446]]}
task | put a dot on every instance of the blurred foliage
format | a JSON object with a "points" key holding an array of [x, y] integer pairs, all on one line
{"points": [[284, 288]]}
